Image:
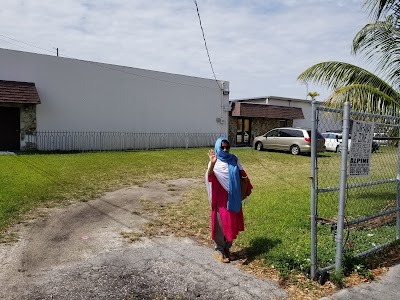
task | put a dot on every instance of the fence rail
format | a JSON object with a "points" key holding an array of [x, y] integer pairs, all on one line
{"points": [[353, 214], [114, 141]]}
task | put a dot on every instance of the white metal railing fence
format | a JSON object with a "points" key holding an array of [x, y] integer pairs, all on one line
{"points": [[115, 141]]}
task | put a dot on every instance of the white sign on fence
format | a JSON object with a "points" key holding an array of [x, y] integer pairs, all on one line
{"points": [[361, 146]]}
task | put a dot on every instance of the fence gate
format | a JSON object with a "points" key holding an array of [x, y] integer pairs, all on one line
{"points": [[354, 186]]}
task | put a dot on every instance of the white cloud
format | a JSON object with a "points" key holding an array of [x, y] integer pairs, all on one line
{"points": [[259, 46]]}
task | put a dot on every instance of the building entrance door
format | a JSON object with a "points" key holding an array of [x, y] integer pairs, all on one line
{"points": [[243, 133], [9, 128]]}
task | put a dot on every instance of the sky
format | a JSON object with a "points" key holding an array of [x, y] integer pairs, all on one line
{"points": [[260, 47]]}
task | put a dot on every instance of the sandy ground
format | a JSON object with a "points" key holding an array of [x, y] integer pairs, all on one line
{"points": [[77, 252]]}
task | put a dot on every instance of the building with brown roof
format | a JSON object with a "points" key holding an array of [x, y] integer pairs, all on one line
{"points": [[251, 117], [18, 102]]}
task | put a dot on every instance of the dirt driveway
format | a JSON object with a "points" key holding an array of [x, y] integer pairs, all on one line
{"points": [[77, 252]]}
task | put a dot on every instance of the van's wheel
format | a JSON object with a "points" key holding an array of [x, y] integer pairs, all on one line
{"points": [[295, 150], [259, 146]]}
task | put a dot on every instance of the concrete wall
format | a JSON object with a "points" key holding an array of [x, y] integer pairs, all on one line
{"points": [[85, 96]]}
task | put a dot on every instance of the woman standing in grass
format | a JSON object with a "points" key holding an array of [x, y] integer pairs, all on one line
{"points": [[223, 186]]}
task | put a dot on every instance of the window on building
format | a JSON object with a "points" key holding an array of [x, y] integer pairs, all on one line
{"points": [[283, 123]]}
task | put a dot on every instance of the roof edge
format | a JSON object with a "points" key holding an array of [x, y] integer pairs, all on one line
{"points": [[273, 98]]}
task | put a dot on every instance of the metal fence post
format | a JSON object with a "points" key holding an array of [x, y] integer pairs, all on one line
{"points": [[398, 195], [313, 190], [343, 185]]}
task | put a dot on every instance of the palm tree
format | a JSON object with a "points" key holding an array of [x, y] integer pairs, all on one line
{"points": [[313, 95], [379, 42], [383, 8]]}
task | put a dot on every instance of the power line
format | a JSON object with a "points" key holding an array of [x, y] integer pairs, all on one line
{"points": [[26, 44], [19, 46], [205, 43]]}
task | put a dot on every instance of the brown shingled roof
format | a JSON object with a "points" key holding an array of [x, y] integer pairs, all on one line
{"points": [[266, 111], [18, 92]]}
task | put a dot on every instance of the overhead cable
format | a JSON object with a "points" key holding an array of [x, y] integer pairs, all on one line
{"points": [[52, 52], [205, 43]]}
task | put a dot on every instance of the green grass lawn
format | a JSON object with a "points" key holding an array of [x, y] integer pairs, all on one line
{"points": [[276, 214]]}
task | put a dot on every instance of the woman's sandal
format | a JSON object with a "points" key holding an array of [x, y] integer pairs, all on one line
{"points": [[221, 257], [231, 256]]}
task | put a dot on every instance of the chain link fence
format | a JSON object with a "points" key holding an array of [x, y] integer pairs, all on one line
{"points": [[354, 215], [115, 141]]}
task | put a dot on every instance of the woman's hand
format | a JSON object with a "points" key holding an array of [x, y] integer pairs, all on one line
{"points": [[212, 156]]}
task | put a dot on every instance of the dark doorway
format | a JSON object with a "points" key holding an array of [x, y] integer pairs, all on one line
{"points": [[9, 128], [243, 132]]}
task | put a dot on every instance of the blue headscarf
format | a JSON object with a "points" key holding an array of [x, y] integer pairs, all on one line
{"points": [[234, 194]]}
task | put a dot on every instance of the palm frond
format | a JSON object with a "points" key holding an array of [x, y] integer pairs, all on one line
{"points": [[380, 42], [382, 8], [364, 98], [335, 75]]}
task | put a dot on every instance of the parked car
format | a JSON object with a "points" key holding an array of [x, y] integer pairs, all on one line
{"points": [[381, 138], [374, 147], [332, 141], [295, 140]]}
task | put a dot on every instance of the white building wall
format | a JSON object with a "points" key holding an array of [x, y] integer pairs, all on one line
{"points": [[85, 96]]}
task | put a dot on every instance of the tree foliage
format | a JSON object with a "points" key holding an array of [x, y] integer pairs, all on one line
{"points": [[377, 42]]}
